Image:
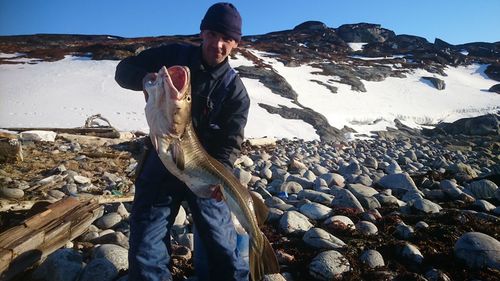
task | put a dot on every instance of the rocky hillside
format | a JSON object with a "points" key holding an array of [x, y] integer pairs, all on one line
{"points": [[338, 52]]}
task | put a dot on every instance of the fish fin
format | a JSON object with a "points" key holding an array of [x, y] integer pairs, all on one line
{"points": [[256, 266], [237, 225], [177, 155], [260, 209], [263, 263], [269, 259]]}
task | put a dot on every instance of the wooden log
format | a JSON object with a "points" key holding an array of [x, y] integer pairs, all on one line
{"points": [[47, 182], [57, 209], [42, 234], [99, 131], [6, 205]]}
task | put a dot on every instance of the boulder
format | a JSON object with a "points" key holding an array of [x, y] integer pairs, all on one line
{"points": [[329, 265], [478, 250], [436, 82]]}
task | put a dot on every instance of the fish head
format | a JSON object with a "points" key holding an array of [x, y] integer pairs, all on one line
{"points": [[168, 109]]}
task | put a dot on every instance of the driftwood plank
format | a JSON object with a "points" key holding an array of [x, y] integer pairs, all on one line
{"points": [[99, 131], [6, 205], [5, 258], [55, 210], [40, 235]]}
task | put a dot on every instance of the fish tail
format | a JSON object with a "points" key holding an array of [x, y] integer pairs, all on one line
{"points": [[263, 263]]}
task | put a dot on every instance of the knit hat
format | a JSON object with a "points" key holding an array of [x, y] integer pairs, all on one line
{"points": [[223, 18]]}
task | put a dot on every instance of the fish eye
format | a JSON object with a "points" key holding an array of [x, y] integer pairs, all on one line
{"points": [[188, 98]]}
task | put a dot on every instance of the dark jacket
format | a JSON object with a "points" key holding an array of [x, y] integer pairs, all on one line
{"points": [[223, 135]]}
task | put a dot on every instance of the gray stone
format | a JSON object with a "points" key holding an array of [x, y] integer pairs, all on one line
{"points": [[321, 239], [62, 265], [345, 199], [362, 190], [425, 206], [484, 205], [88, 236], [393, 168], [109, 220], [99, 269], [436, 82], [371, 162], [11, 193], [412, 253], [274, 201], [352, 169], [404, 231], [451, 189], [372, 258], [321, 185], [319, 170], [421, 225], [81, 179], [291, 187], [56, 193], [305, 183], [38, 135], [117, 255], [315, 211], [266, 173], [116, 238], [243, 176], [387, 200], [186, 240], [478, 250], [245, 161], [463, 171], [436, 275], [365, 194], [329, 265], [293, 222], [70, 189], [366, 228], [274, 214], [316, 196], [339, 221], [364, 180], [483, 189], [435, 194], [333, 179], [398, 181], [309, 176]]}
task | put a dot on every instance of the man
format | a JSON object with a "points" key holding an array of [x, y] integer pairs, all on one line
{"points": [[220, 107]]}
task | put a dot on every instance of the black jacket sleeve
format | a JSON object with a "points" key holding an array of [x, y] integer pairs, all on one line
{"points": [[232, 121]]}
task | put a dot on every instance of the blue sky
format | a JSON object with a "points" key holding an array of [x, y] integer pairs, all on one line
{"points": [[455, 21]]}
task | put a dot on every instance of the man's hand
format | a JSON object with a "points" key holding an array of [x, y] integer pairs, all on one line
{"points": [[216, 192], [148, 78]]}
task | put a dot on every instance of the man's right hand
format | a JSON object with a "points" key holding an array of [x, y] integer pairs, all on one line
{"points": [[148, 78]]}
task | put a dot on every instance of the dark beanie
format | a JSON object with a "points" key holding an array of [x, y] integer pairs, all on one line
{"points": [[223, 18]]}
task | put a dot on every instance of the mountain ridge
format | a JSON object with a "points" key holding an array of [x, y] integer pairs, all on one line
{"points": [[354, 53]]}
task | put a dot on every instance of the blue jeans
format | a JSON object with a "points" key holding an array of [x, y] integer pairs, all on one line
{"points": [[156, 203]]}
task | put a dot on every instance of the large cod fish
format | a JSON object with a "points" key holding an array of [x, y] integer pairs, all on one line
{"points": [[168, 113]]}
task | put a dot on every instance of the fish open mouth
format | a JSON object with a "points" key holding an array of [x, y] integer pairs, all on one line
{"points": [[179, 77]]}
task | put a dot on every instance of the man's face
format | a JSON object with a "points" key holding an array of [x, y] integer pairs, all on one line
{"points": [[216, 47]]}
